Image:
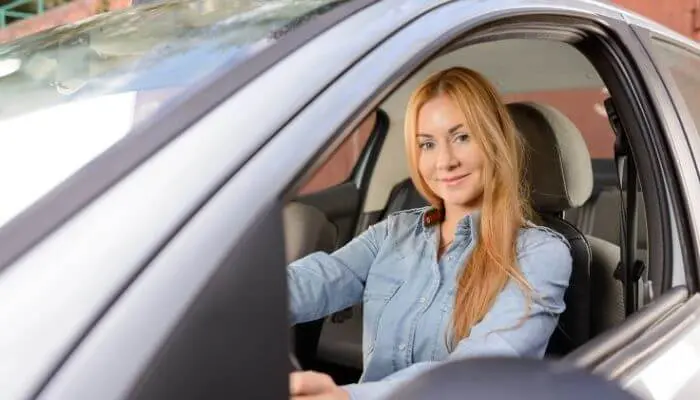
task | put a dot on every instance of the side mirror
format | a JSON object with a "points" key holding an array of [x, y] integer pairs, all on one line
{"points": [[508, 379]]}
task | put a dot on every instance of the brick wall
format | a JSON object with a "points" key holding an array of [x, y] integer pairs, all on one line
{"points": [[61, 15], [676, 14]]}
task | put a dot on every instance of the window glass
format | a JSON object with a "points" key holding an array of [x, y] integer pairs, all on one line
{"points": [[339, 166], [70, 93], [684, 67]]}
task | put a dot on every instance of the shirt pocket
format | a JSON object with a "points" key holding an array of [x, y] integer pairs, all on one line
{"points": [[380, 289]]}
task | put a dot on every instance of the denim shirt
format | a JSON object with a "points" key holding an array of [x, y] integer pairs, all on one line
{"points": [[408, 296]]}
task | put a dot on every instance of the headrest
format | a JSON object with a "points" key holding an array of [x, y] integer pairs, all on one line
{"points": [[558, 165]]}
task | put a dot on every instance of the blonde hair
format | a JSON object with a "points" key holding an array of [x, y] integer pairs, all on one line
{"points": [[505, 206]]}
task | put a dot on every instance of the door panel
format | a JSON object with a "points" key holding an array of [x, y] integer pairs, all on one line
{"points": [[605, 345], [664, 363]]}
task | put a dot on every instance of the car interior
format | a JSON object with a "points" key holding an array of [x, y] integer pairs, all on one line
{"points": [[570, 169]]}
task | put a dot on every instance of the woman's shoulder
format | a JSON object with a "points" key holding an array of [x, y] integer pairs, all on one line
{"points": [[543, 250], [534, 235], [407, 218]]}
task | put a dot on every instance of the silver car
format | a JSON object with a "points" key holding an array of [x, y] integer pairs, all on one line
{"points": [[157, 167]]}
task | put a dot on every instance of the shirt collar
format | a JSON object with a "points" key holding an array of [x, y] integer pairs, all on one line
{"points": [[467, 227]]}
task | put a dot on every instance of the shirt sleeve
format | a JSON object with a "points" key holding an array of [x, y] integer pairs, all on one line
{"points": [[321, 283], [546, 263]]}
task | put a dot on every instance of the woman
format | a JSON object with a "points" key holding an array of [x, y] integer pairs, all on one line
{"points": [[469, 276]]}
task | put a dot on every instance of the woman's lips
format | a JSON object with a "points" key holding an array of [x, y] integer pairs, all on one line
{"points": [[453, 180]]}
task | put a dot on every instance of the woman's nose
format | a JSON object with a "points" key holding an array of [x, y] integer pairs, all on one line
{"points": [[446, 159]]}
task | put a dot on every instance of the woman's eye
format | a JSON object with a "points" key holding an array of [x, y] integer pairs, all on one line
{"points": [[426, 145], [462, 137]]}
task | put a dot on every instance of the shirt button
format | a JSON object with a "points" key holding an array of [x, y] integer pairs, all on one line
{"points": [[402, 346], [421, 300], [450, 258]]}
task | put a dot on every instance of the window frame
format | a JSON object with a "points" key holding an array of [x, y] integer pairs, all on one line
{"points": [[685, 147], [623, 69], [651, 128]]}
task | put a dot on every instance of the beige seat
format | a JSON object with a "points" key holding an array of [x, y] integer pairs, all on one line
{"points": [[601, 224], [604, 296], [306, 230]]}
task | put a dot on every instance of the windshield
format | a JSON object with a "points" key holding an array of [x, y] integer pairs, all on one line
{"points": [[69, 93]]}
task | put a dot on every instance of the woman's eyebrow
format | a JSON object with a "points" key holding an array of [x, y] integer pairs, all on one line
{"points": [[455, 128], [449, 131]]}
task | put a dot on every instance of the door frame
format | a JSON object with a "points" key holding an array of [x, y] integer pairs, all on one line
{"points": [[623, 63], [687, 138]]}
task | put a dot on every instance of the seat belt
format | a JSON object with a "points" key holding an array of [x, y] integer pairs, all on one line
{"points": [[630, 269]]}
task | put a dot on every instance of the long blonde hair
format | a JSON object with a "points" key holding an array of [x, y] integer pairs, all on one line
{"points": [[505, 206]]}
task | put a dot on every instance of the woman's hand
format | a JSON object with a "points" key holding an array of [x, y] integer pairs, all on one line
{"points": [[309, 385]]}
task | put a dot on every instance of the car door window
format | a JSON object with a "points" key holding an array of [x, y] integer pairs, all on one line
{"points": [[684, 67], [339, 166]]}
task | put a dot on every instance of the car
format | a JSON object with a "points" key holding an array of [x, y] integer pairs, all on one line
{"points": [[162, 164]]}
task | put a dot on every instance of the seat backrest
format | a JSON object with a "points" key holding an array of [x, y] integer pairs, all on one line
{"points": [[404, 196], [607, 301], [600, 217], [306, 230], [560, 176]]}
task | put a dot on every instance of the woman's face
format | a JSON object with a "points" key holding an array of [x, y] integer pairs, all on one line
{"points": [[449, 158]]}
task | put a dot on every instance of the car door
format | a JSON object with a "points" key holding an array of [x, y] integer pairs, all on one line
{"points": [[610, 354]]}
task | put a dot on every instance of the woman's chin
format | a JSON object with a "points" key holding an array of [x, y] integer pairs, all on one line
{"points": [[461, 201]]}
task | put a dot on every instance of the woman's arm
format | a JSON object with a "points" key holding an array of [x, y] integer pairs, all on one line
{"points": [[321, 283], [546, 263]]}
